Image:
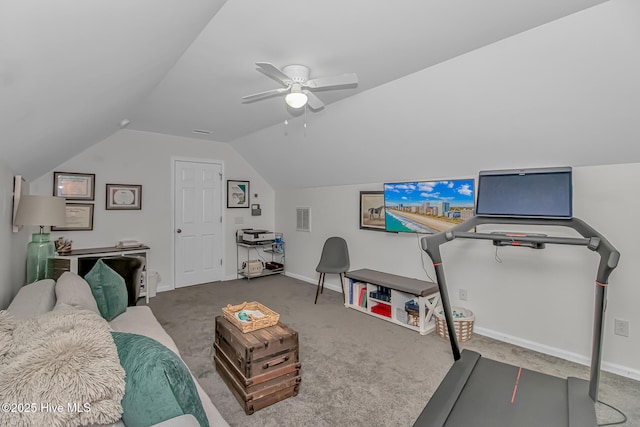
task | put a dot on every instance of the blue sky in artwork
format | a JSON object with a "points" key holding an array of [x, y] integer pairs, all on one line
{"points": [[459, 193]]}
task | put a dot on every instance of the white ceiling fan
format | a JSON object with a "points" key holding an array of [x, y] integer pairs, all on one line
{"points": [[298, 86]]}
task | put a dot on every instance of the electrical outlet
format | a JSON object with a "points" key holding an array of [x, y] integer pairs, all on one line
{"points": [[463, 294], [621, 327]]}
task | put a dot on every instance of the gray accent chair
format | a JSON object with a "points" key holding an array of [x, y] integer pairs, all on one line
{"points": [[334, 260]]}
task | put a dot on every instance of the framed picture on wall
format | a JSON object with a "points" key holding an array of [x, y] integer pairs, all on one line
{"points": [[237, 194], [372, 214], [124, 196], [74, 186], [79, 218]]}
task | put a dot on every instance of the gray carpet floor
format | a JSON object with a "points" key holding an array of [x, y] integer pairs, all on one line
{"points": [[357, 370]]}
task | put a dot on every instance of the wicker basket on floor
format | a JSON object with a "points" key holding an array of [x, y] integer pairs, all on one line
{"points": [[462, 323], [270, 317]]}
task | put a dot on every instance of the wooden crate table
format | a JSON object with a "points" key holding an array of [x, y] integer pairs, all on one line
{"points": [[261, 367]]}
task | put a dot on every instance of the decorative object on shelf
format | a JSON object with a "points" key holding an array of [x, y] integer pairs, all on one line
{"points": [[254, 322], [413, 312], [278, 243], [372, 214], [74, 186], [79, 217], [237, 194], [252, 267], [40, 211], [63, 245], [274, 266], [124, 197], [382, 293]]}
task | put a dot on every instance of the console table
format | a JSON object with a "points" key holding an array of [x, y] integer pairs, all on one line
{"points": [[385, 296], [69, 261]]}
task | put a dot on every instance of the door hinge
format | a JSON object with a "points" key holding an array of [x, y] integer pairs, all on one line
{"points": [[220, 173], [220, 220], [220, 261]]}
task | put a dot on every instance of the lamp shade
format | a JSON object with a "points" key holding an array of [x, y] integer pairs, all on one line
{"points": [[41, 210]]}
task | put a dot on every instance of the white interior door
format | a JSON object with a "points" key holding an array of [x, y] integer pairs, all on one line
{"points": [[197, 223]]}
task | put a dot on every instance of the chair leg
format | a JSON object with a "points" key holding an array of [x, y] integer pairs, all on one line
{"points": [[320, 279], [342, 288], [322, 287]]}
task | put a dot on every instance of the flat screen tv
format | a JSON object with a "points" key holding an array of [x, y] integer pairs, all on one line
{"points": [[528, 193], [427, 206]]}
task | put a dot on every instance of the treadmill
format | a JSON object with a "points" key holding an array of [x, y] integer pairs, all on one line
{"points": [[481, 392]]}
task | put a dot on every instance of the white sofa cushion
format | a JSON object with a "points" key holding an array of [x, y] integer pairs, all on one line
{"points": [[33, 299], [73, 290], [140, 320]]}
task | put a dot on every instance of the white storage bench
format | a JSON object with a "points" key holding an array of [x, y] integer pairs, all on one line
{"points": [[385, 296]]}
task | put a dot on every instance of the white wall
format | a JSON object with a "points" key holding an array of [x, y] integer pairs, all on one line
{"points": [[540, 299], [13, 246], [133, 157]]}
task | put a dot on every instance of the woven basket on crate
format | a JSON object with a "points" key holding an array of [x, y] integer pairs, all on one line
{"points": [[270, 317], [462, 323]]}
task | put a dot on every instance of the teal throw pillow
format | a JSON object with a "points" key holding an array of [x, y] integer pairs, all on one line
{"points": [[158, 385], [108, 289]]}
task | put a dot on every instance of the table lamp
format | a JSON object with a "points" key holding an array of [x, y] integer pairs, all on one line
{"points": [[40, 211]]}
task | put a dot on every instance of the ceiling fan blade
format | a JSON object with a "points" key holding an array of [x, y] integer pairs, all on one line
{"points": [[313, 101], [339, 80], [274, 72], [265, 94]]}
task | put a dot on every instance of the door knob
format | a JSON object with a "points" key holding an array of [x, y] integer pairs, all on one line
{"points": [[179, 230]]}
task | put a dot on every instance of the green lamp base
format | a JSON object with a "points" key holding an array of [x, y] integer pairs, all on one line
{"points": [[39, 250]]}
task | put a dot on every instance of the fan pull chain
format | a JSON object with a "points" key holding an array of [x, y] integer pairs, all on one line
{"points": [[305, 120]]}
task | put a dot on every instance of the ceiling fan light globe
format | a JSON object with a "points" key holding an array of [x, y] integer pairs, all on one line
{"points": [[296, 99]]}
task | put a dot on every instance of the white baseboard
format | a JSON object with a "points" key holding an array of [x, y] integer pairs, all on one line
{"points": [[562, 354], [164, 288]]}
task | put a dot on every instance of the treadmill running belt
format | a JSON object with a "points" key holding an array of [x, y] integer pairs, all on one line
{"points": [[497, 394], [486, 400]]}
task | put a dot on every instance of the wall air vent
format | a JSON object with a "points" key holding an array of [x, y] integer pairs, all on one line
{"points": [[303, 219]]}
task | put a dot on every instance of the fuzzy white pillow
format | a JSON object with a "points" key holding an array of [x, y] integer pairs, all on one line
{"points": [[7, 325]]}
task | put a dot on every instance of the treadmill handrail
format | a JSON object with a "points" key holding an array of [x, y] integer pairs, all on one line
{"points": [[592, 239]]}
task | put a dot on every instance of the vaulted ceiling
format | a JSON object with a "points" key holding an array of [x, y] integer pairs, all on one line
{"points": [[71, 72]]}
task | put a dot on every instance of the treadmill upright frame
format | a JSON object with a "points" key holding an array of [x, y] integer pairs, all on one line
{"points": [[592, 239]]}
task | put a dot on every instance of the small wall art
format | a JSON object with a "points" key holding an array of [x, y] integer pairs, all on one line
{"points": [[124, 197], [237, 194], [372, 214]]}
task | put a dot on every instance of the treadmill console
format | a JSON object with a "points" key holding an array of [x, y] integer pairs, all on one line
{"points": [[508, 238]]}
